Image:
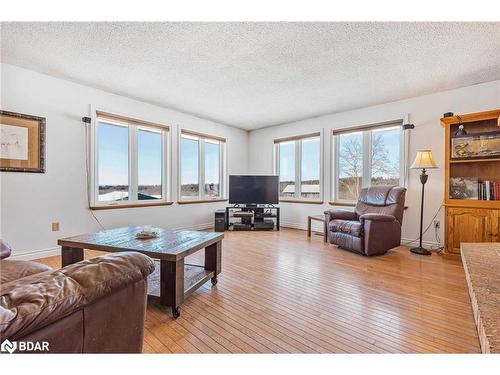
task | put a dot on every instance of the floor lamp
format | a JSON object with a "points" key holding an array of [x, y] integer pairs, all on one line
{"points": [[423, 161]]}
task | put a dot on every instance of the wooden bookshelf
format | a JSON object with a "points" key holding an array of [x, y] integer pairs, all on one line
{"points": [[476, 161], [471, 220]]}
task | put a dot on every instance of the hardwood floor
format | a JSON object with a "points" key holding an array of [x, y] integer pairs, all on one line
{"points": [[282, 292]]}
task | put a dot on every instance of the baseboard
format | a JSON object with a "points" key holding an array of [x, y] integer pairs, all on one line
{"points": [[37, 254], [52, 251], [404, 241], [289, 224], [196, 227], [407, 241]]}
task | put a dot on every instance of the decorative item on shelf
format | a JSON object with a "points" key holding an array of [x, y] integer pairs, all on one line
{"points": [[23, 143], [479, 145], [423, 161], [463, 188], [460, 131], [448, 114]]}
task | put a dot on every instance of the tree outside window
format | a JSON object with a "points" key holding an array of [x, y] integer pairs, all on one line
{"points": [[370, 157]]}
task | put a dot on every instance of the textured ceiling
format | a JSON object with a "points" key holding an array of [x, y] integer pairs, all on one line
{"points": [[253, 75]]}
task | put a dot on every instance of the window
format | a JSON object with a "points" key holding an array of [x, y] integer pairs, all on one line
{"points": [[113, 165], [298, 164], [310, 168], [369, 156], [129, 161], [190, 162], [150, 163], [202, 173], [287, 169], [212, 169], [385, 156]]}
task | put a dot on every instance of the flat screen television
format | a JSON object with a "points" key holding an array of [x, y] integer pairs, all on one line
{"points": [[253, 189]]}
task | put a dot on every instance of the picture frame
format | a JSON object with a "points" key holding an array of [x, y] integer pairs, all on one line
{"points": [[22, 145]]}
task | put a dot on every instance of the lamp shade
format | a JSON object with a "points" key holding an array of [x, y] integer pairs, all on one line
{"points": [[423, 160]]}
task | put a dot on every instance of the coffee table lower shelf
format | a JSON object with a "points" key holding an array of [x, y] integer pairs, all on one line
{"points": [[194, 277]]}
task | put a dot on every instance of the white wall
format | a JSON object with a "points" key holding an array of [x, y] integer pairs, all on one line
{"points": [[425, 112], [30, 202]]}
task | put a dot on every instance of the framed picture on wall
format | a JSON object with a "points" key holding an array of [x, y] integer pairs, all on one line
{"points": [[22, 143]]}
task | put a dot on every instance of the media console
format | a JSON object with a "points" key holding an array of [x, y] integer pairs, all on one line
{"points": [[263, 217]]}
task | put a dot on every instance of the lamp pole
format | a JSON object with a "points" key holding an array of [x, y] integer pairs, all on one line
{"points": [[420, 250]]}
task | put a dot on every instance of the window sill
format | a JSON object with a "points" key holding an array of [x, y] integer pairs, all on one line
{"points": [[300, 201], [201, 201], [132, 205]]}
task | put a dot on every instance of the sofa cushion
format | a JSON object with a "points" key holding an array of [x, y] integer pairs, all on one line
{"points": [[351, 227], [11, 270]]}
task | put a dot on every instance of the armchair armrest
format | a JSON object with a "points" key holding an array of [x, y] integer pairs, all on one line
{"points": [[339, 214], [381, 232], [377, 217], [36, 301]]}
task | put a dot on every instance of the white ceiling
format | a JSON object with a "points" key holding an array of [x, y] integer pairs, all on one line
{"points": [[252, 75]]}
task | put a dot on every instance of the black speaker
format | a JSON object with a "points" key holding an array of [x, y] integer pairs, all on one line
{"points": [[220, 221]]}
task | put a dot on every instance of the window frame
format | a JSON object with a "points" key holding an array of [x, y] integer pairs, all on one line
{"points": [[133, 126], [298, 166], [202, 138], [366, 131]]}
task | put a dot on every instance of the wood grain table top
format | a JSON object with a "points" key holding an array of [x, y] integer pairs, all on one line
{"points": [[169, 245]]}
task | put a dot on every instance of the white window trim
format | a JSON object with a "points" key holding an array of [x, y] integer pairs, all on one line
{"points": [[133, 160], [201, 167], [298, 166], [403, 157]]}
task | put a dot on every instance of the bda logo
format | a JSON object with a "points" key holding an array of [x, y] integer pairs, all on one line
{"points": [[8, 346], [24, 346]]}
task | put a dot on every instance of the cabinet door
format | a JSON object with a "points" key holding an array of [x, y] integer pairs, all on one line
{"points": [[468, 225], [495, 225]]}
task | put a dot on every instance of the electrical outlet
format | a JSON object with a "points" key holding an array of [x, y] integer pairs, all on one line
{"points": [[55, 227], [437, 224]]}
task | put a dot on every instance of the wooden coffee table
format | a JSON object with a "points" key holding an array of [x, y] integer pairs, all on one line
{"points": [[173, 280]]}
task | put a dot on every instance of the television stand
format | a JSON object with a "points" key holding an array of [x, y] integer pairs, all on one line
{"points": [[252, 217]]}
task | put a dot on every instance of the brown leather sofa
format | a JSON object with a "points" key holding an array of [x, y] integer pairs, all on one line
{"points": [[93, 306], [374, 226]]}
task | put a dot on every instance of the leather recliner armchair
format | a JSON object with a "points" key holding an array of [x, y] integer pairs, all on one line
{"points": [[93, 306], [374, 226]]}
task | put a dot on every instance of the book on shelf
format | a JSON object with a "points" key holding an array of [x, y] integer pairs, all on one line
{"points": [[473, 188], [489, 190]]}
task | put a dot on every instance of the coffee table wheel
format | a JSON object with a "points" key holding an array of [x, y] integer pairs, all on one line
{"points": [[214, 280], [176, 312]]}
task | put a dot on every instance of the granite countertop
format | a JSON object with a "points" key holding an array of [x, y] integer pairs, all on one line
{"points": [[482, 261]]}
